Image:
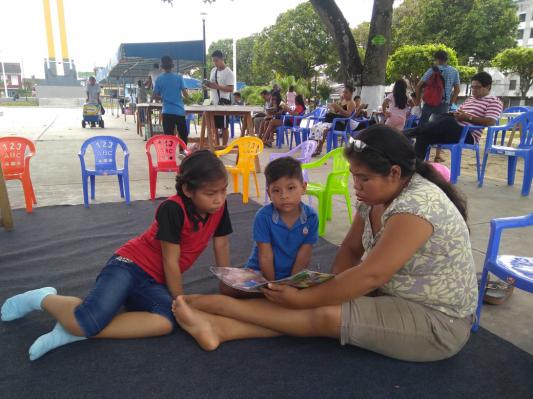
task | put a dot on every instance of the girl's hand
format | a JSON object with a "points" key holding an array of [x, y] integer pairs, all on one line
{"points": [[284, 295]]}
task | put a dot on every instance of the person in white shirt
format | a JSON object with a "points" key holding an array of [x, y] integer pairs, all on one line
{"points": [[154, 74], [221, 83], [93, 91]]}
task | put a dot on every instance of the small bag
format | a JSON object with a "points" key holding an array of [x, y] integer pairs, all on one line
{"points": [[221, 101]]}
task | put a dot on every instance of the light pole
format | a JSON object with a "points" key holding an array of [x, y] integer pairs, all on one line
{"points": [[4, 78], [204, 14]]}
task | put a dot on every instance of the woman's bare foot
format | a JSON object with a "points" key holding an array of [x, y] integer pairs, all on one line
{"points": [[196, 323]]}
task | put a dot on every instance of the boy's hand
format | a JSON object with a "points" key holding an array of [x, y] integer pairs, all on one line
{"points": [[284, 295]]}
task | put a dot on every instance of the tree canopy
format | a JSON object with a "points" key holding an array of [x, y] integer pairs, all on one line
{"points": [[474, 28], [520, 61]]}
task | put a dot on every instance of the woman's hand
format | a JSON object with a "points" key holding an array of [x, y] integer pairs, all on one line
{"points": [[284, 295]]}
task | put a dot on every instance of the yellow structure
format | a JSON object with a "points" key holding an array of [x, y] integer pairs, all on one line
{"points": [[50, 31]]}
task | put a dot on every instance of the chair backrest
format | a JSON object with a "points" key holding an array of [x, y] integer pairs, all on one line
{"points": [[526, 138], [517, 109], [166, 147], [307, 149], [411, 121], [249, 148], [13, 154], [104, 150], [340, 164]]}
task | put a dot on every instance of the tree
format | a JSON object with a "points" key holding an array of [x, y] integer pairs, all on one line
{"points": [[410, 62], [520, 61], [474, 28], [465, 75], [297, 43], [224, 45]]}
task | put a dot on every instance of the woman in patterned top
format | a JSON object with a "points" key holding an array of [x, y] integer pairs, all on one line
{"points": [[405, 282], [479, 109]]}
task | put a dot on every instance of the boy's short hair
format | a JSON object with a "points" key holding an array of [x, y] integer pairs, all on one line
{"points": [[357, 98], [283, 167], [236, 94], [217, 54], [166, 62], [440, 55]]}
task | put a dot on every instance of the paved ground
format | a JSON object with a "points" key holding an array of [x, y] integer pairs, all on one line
{"points": [[56, 177]]}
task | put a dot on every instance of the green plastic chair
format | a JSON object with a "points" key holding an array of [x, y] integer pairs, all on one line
{"points": [[336, 184]]}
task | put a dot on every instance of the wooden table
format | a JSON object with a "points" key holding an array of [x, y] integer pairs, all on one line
{"points": [[6, 216], [208, 132]]}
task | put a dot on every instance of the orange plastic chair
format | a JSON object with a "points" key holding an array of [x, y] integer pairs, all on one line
{"points": [[15, 154], [167, 149], [249, 149]]}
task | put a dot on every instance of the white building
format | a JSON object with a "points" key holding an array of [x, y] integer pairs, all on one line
{"points": [[524, 36]]}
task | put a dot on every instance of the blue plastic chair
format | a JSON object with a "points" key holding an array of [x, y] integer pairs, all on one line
{"points": [[232, 121], [515, 270], [518, 109], [456, 150], [105, 161], [300, 132], [333, 135], [283, 130], [524, 150], [411, 122]]}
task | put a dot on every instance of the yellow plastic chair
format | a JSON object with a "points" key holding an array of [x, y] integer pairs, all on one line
{"points": [[336, 184], [249, 148]]}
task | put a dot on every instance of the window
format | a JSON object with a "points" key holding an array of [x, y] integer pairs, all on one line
{"points": [[522, 17], [512, 84], [531, 33], [520, 34]]}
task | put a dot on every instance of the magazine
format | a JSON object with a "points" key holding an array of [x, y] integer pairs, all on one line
{"points": [[250, 280]]}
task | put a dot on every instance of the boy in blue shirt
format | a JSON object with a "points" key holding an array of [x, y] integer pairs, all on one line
{"points": [[170, 87], [285, 230]]}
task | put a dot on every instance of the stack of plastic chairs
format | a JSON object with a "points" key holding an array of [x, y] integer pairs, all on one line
{"points": [[15, 155], [105, 160], [167, 150], [336, 184], [249, 149]]}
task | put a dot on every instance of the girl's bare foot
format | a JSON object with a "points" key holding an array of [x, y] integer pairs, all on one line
{"points": [[196, 323]]}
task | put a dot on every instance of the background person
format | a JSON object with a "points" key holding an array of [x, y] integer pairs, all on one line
{"points": [[222, 83], [170, 88], [395, 107]]}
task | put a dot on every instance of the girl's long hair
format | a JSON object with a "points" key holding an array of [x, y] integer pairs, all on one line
{"points": [[399, 93]]}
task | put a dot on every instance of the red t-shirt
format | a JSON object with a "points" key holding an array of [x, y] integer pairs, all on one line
{"points": [[145, 250]]}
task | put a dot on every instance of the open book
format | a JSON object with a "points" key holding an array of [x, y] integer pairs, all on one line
{"points": [[250, 280]]}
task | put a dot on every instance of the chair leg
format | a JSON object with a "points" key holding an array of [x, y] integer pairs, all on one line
{"points": [[126, 181], [235, 182], [26, 187], [511, 170], [528, 175], [483, 168], [455, 165], [153, 183], [322, 214], [256, 184], [121, 185], [245, 186], [329, 206], [84, 185], [93, 178], [481, 293], [477, 164], [348, 206]]}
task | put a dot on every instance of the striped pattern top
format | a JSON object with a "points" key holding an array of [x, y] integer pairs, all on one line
{"points": [[484, 107]]}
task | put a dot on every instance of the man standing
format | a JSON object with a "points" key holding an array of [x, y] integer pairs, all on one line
{"points": [[451, 89], [170, 88], [221, 83], [93, 94]]}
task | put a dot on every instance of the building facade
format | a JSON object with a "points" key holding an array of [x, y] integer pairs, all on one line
{"points": [[13, 74]]}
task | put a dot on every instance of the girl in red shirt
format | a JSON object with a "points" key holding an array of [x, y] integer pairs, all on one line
{"points": [[299, 109], [145, 273]]}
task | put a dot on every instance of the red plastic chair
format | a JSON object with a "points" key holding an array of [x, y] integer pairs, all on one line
{"points": [[15, 154], [167, 149]]}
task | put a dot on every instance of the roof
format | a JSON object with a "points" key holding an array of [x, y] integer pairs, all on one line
{"points": [[135, 60], [11, 67]]}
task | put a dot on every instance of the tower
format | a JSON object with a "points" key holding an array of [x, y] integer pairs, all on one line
{"points": [[53, 64]]}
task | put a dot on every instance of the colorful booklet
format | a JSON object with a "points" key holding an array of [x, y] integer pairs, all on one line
{"points": [[250, 280]]}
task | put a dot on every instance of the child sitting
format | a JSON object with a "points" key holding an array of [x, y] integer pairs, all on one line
{"points": [[145, 274], [285, 230]]}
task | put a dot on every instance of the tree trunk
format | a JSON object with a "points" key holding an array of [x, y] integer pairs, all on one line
{"points": [[377, 53], [337, 26]]}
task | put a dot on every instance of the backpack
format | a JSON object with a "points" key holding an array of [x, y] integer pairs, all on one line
{"points": [[434, 89]]}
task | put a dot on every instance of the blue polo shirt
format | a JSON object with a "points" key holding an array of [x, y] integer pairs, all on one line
{"points": [[169, 86], [269, 228], [450, 76]]}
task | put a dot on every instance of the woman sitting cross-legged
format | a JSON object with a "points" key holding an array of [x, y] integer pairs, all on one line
{"points": [[405, 282], [299, 109], [479, 109]]}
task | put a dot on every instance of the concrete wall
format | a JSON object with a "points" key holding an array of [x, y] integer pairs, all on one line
{"points": [[60, 96]]}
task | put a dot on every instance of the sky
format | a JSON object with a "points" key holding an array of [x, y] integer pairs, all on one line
{"points": [[96, 28]]}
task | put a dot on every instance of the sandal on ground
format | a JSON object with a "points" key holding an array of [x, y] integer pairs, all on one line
{"points": [[496, 292]]}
